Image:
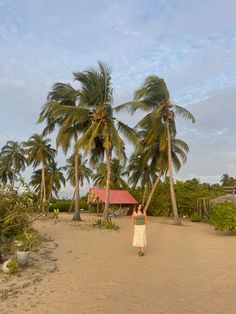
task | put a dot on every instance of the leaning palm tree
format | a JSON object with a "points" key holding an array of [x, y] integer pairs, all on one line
{"points": [[179, 150], [154, 97], [77, 174], [39, 151], [14, 153], [116, 180], [140, 171]]}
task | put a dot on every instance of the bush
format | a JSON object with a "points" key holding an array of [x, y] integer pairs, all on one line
{"points": [[99, 223], [223, 217], [15, 211], [195, 217], [13, 266], [62, 205]]}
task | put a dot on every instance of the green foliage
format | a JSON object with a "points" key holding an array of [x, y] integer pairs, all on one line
{"points": [[13, 266], [187, 194], [223, 217], [56, 214], [195, 217], [62, 205], [15, 210], [103, 224], [27, 241], [226, 180]]}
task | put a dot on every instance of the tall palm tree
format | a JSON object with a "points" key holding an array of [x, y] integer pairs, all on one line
{"points": [[39, 151], [154, 97], [14, 153], [100, 135], [57, 112], [96, 95], [116, 180]]}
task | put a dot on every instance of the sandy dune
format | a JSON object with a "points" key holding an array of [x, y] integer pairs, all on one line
{"points": [[188, 269]]}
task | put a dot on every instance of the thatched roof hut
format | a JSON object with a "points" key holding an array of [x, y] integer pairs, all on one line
{"points": [[230, 198]]}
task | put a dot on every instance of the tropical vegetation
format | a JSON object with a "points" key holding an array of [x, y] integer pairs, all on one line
{"points": [[83, 115]]}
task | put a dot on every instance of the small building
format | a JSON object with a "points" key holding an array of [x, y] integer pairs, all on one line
{"points": [[119, 200], [229, 198], [230, 189]]}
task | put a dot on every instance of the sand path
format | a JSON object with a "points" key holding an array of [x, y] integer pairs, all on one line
{"points": [[189, 269]]}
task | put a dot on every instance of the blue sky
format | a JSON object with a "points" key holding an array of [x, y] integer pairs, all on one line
{"points": [[191, 44]]}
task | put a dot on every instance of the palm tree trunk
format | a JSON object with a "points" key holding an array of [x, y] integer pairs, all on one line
{"points": [[1, 258], [43, 185], [106, 209], [170, 168], [72, 202], [77, 194], [144, 195], [152, 191]]}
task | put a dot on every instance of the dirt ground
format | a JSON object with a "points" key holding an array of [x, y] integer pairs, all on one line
{"points": [[186, 269]]}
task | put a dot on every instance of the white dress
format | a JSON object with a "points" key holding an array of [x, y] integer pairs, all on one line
{"points": [[139, 239]]}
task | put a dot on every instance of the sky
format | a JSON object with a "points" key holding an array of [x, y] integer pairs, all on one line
{"points": [[191, 44]]}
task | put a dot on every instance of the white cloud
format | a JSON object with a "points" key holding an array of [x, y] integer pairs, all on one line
{"points": [[8, 82]]}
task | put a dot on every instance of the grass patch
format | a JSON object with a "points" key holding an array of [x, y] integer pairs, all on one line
{"points": [[105, 224]]}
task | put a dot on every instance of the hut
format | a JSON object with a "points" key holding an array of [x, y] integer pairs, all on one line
{"points": [[230, 198], [121, 202]]}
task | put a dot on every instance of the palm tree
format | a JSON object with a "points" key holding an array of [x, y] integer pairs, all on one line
{"points": [[76, 174], [116, 180], [179, 150], [6, 172], [97, 96], [153, 96], [227, 180], [54, 179], [39, 151], [139, 171], [64, 97], [14, 154], [95, 113]]}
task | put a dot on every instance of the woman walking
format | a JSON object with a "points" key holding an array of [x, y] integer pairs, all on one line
{"points": [[139, 219]]}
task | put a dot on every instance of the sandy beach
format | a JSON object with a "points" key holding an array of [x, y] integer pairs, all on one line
{"points": [[186, 269]]}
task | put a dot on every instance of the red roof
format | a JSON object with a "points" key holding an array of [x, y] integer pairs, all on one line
{"points": [[115, 196]]}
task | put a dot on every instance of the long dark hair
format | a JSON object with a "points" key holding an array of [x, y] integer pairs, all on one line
{"points": [[136, 209]]}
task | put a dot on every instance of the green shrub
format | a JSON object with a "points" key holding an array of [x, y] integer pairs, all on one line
{"points": [[99, 223], [62, 205], [223, 217], [13, 266], [15, 210], [195, 217]]}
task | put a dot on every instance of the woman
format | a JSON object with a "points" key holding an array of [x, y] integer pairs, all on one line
{"points": [[139, 219]]}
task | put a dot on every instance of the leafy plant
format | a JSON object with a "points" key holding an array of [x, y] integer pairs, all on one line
{"points": [[195, 217], [13, 266], [27, 241], [104, 224], [223, 217], [56, 214]]}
